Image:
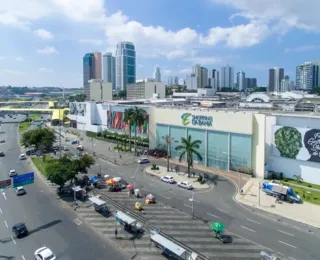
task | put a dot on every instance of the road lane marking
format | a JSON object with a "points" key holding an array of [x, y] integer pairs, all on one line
{"points": [[5, 222], [121, 173], [111, 170], [152, 185], [165, 197], [212, 215], [297, 227], [4, 195], [280, 253], [221, 210], [23, 257], [285, 233], [187, 205], [286, 244], [172, 192], [248, 229], [77, 221], [178, 198], [13, 240], [0, 210], [253, 221], [291, 258]]}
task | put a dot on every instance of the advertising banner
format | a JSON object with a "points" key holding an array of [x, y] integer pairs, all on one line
{"points": [[296, 143], [77, 108]]}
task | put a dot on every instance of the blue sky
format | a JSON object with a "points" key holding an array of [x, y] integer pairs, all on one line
{"points": [[43, 42]]}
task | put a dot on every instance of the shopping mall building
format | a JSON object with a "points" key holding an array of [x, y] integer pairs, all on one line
{"points": [[231, 139]]}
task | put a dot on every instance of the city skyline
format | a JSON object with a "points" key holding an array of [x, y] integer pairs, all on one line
{"points": [[50, 40]]}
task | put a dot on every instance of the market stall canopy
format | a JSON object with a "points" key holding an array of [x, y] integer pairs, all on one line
{"points": [[217, 226], [168, 244], [97, 201], [125, 218]]}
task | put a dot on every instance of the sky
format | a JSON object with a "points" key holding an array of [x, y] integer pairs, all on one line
{"points": [[43, 42]]}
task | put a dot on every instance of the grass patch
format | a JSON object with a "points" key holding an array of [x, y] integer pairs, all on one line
{"points": [[24, 126], [308, 196], [35, 116], [40, 164], [305, 184]]}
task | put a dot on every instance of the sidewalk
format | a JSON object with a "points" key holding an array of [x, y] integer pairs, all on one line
{"points": [[182, 176], [306, 212]]}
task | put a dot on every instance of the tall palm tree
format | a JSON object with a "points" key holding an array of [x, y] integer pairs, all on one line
{"points": [[128, 119], [167, 141], [190, 149], [137, 118]]}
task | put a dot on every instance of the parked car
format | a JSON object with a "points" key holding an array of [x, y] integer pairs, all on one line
{"points": [[22, 156], [20, 230], [44, 253], [2, 141], [185, 185], [143, 161], [20, 191], [2, 153], [167, 179], [12, 173]]}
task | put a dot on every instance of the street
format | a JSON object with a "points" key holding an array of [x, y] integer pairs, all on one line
{"points": [[286, 237], [50, 222]]}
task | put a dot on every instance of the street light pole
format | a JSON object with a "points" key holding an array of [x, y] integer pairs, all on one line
{"points": [[192, 201], [60, 150]]}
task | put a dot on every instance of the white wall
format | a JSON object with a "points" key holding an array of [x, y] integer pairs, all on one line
{"points": [[309, 171], [258, 145]]}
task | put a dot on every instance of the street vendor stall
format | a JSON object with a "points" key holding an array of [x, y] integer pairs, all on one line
{"points": [[130, 224], [79, 193], [100, 206]]}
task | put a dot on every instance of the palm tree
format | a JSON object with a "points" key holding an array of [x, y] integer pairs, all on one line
{"points": [[189, 148], [137, 117], [167, 141], [128, 119]]}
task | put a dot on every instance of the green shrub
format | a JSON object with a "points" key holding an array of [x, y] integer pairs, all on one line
{"points": [[285, 180], [309, 185], [281, 175]]}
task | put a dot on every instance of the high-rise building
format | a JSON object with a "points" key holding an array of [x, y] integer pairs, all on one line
{"points": [[109, 69], [308, 75], [173, 81], [97, 64], [227, 77], [275, 77], [157, 74], [241, 80], [286, 84], [125, 65], [204, 77], [250, 83], [196, 71], [213, 79], [192, 82], [88, 72]]}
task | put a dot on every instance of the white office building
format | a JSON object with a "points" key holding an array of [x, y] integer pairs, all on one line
{"points": [[109, 69], [157, 74], [100, 90], [227, 77], [192, 82], [308, 75], [241, 80]]}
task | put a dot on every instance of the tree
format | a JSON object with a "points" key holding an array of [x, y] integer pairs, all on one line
{"points": [[189, 148], [259, 89], [137, 119], [299, 179], [81, 165], [128, 119], [78, 98], [122, 94], [168, 140], [316, 90], [58, 173], [42, 138]]}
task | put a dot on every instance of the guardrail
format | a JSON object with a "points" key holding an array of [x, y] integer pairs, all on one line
{"points": [[145, 223]]}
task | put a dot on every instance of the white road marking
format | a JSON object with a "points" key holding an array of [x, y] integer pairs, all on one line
{"points": [[77, 221], [280, 253], [253, 221], [291, 258], [285, 233], [196, 201], [172, 192], [4, 195], [13, 240], [286, 244], [111, 170], [165, 197], [221, 210], [0, 210], [25, 217], [23, 257], [296, 227], [121, 173], [152, 185], [248, 229], [187, 205], [5, 222], [178, 198], [212, 215]]}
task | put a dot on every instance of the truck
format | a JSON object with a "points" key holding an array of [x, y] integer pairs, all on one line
{"points": [[284, 193]]}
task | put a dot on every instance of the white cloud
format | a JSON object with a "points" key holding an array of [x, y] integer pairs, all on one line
{"points": [[92, 41], [166, 72], [172, 55], [12, 72], [20, 59], [48, 50], [185, 71], [43, 34], [303, 48], [205, 60], [46, 70]]}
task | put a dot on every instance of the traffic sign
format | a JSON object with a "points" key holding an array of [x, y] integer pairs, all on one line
{"points": [[23, 179], [5, 184]]}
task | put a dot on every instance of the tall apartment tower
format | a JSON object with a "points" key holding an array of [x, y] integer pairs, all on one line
{"points": [[276, 75], [308, 75], [157, 74], [204, 77], [213, 79], [196, 71], [227, 77], [125, 65], [88, 72], [97, 64], [241, 80], [109, 69]]}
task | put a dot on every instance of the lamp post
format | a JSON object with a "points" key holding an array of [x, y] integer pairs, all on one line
{"points": [[192, 202], [60, 150]]}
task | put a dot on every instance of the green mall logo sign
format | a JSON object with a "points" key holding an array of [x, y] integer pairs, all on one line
{"points": [[196, 120]]}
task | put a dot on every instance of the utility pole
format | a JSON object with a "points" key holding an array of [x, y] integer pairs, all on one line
{"points": [[60, 150]]}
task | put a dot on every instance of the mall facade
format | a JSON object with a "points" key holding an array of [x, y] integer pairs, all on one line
{"points": [[231, 139]]}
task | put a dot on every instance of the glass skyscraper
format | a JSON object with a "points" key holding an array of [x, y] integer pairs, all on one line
{"points": [[88, 72], [109, 69], [125, 65]]}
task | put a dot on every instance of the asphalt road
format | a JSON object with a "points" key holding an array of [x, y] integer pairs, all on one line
{"points": [[286, 237], [50, 221]]}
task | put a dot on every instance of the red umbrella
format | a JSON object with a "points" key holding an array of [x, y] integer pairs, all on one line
{"points": [[129, 186]]}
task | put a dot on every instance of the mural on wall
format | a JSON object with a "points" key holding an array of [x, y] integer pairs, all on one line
{"points": [[297, 143], [77, 108], [116, 122]]}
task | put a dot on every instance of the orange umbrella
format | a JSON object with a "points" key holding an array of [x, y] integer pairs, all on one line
{"points": [[111, 181]]}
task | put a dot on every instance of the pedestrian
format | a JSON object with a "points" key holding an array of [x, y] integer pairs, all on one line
{"points": [[116, 233]]}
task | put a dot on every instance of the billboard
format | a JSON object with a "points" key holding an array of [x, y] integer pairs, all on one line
{"points": [[77, 108], [296, 143], [116, 122]]}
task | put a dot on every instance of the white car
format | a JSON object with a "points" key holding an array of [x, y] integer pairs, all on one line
{"points": [[167, 179], [44, 253], [12, 173], [143, 160], [185, 185], [22, 156], [20, 191]]}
